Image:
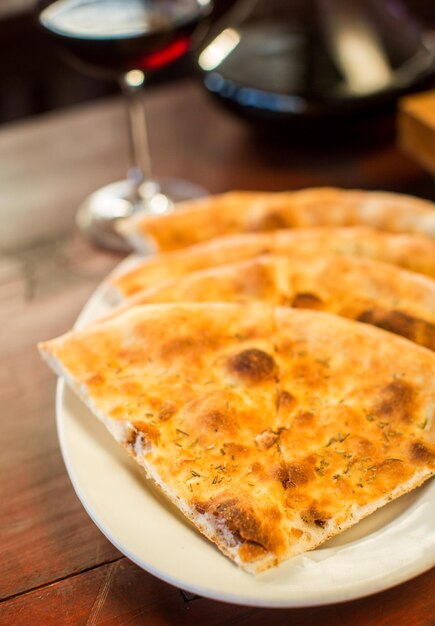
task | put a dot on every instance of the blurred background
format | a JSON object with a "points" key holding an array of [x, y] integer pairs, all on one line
{"points": [[35, 80]]}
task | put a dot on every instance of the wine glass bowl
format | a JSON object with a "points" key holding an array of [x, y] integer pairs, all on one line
{"points": [[126, 40], [111, 37]]}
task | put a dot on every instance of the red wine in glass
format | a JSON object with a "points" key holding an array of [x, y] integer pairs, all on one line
{"points": [[126, 40], [111, 37]]}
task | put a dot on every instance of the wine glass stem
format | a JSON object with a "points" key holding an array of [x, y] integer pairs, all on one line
{"points": [[131, 85]]}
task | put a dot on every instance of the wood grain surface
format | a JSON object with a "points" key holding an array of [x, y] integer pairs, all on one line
{"points": [[55, 566]]}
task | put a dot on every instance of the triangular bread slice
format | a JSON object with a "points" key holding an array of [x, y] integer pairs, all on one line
{"points": [[236, 212], [411, 252], [362, 289], [270, 429]]}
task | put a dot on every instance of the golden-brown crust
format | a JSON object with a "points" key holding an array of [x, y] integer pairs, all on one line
{"points": [[234, 212], [411, 252], [169, 232], [255, 453], [372, 292]]}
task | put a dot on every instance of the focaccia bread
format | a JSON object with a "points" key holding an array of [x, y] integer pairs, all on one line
{"points": [[376, 293], [411, 252], [211, 216], [270, 429], [234, 212]]}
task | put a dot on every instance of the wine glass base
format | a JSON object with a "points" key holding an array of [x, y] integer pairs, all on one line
{"points": [[98, 215]]}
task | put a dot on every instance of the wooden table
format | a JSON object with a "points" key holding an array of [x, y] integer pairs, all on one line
{"points": [[55, 566]]}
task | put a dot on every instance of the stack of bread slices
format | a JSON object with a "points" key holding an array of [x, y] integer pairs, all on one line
{"points": [[271, 365]]}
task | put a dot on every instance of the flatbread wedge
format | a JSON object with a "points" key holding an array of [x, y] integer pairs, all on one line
{"points": [[271, 429], [376, 293], [411, 252], [226, 211], [234, 212]]}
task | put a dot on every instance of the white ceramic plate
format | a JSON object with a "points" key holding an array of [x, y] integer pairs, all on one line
{"points": [[389, 547]]}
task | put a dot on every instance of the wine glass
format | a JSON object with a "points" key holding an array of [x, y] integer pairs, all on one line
{"points": [[126, 40]]}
